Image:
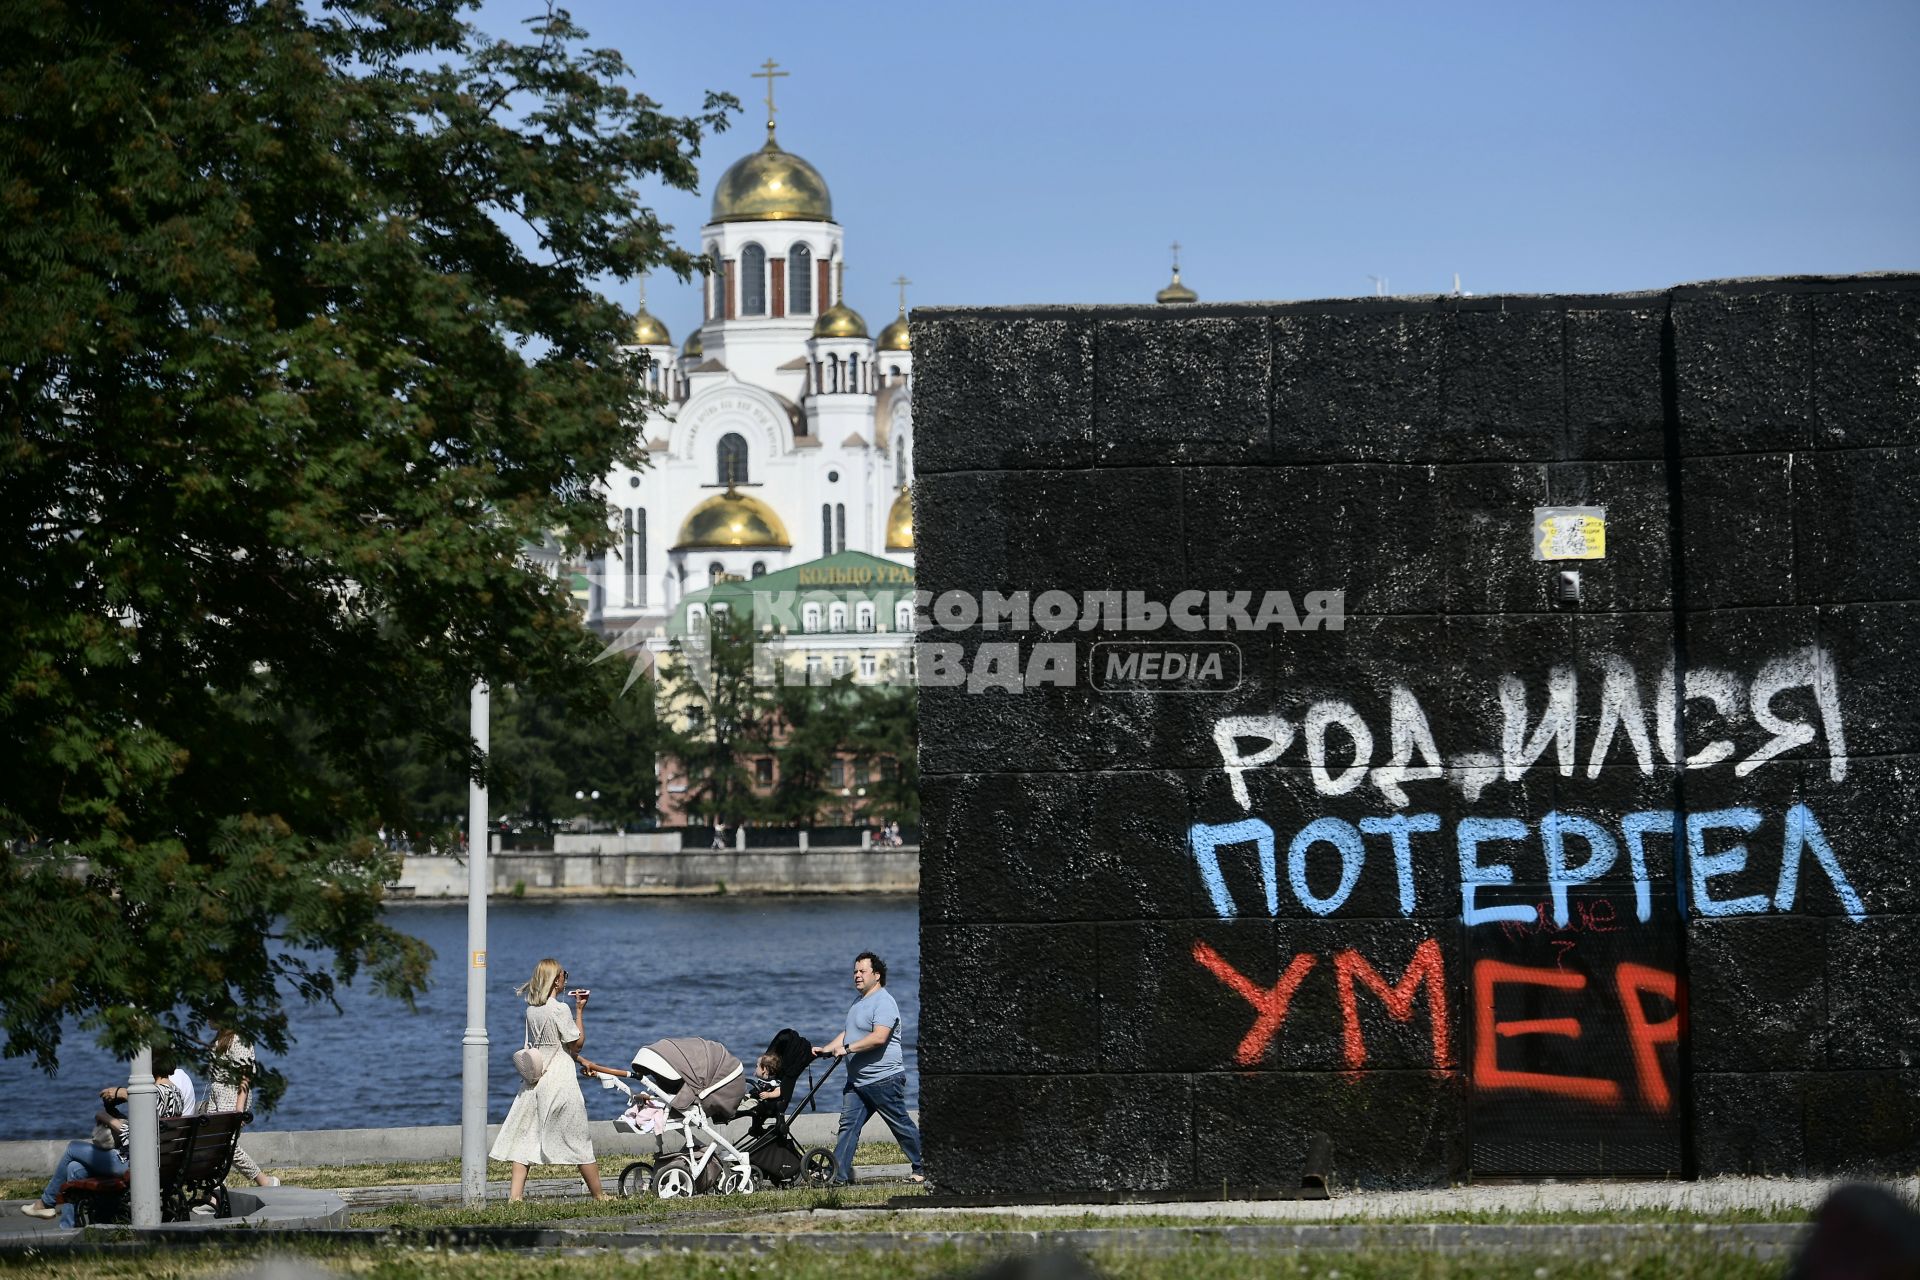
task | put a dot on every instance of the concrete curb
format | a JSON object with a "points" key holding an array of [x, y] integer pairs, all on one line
{"points": [[275, 1209]]}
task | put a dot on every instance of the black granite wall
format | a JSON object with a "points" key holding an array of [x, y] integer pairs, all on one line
{"points": [[1103, 1010]]}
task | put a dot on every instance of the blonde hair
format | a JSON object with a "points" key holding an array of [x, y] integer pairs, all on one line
{"points": [[539, 988], [770, 1063]]}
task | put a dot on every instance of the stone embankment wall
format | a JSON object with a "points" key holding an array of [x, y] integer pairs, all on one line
{"points": [[622, 874], [1483, 882]]}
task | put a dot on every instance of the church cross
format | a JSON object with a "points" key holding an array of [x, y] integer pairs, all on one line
{"points": [[903, 282], [1176, 255], [770, 75]]}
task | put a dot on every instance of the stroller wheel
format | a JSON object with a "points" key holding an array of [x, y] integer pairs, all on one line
{"points": [[820, 1167], [636, 1179], [673, 1178], [736, 1184]]}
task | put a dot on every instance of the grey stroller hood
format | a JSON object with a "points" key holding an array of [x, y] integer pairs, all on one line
{"points": [[700, 1072]]}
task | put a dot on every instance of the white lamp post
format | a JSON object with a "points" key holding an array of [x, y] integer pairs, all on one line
{"points": [[143, 1139], [473, 1045]]}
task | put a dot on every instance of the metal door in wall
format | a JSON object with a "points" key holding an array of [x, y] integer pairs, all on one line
{"points": [[1575, 1031]]}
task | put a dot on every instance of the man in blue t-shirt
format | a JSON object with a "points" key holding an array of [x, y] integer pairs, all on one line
{"points": [[876, 1070]]}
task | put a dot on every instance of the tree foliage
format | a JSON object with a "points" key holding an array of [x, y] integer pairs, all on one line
{"points": [[722, 710], [546, 747], [298, 350], [723, 716]]}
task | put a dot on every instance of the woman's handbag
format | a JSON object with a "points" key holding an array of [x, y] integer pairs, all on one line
{"points": [[103, 1135], [528, 1062]]}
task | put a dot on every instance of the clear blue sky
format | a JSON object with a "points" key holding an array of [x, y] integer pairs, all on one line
{"points": [[1002, 153]]}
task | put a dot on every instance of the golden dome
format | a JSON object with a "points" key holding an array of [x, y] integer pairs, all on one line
{"points": [[732, 519], [1176, 292], [769, 186], [900, 522], [839, 321], [894, 337], [649, 332], [695, 347]]}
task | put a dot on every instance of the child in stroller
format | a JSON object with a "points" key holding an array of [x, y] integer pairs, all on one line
{"points": [[701, 1086]]}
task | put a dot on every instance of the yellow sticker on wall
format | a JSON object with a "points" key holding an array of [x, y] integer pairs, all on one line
{"points": [[1569, 533]]}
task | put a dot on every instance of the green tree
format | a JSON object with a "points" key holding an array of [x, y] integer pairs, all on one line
{"points": [[298, 349], [816, 723], [600, 737], [722, 712], [886, 732]]}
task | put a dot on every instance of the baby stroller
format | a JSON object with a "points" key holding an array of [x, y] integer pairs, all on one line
{"points": [[769, 1142], [701, 1086]]}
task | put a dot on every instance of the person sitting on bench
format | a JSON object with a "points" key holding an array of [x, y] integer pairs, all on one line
{"points": [[105, 1154]]}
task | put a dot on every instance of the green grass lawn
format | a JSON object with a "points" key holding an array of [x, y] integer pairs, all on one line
{"points": [[1202, 1260], [645, 1212]]}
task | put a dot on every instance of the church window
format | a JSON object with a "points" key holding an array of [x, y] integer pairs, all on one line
{"points": [[714, 571], [900, 461], [720, 612], [826, 528], [853, 373], [733, 459], [753, 281], [696, 618], [863, 616], [840, 524], [636, 555], [716, 290], [800, 280], [759, 568], [810, 617], [839, 665], [813, 668], [763, 770], [866, 666], [837, 617], [903, 616]]}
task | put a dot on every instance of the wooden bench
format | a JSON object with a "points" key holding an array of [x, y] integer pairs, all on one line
{"points": [[196, 1154]]}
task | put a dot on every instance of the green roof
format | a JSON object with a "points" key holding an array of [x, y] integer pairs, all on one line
{"points": [[847, 577]]}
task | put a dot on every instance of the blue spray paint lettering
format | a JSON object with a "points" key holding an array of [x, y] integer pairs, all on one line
{"points": [[1340, 834], [1728, 861], [1206, 838], [1469, 836], [1803, 833], [1397, 829], [1602, 853]]}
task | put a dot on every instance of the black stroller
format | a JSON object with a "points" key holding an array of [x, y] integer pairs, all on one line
{"points": [[766, 1155], [769, 1142]]}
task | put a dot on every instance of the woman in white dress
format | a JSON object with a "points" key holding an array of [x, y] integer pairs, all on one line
{"points": [[548, 1122]]}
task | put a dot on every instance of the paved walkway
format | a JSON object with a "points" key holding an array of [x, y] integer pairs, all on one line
{"points": [[1712, 1195]]}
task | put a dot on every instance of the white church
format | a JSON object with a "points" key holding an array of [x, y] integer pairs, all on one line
{"points": [[788, 430]]}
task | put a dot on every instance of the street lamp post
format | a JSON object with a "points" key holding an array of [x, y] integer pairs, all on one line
{"points": [[143, 1140], [473, 1045]]}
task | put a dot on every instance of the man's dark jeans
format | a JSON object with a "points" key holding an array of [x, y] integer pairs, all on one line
{"points": [[888, 1096]]}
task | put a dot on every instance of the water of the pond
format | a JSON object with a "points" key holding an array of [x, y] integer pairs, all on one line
{"points": [[732, 969]]}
